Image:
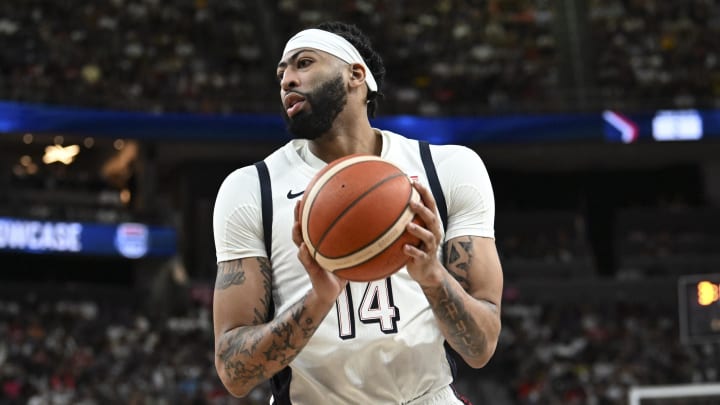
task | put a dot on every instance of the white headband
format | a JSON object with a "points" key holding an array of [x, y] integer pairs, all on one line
{"points": [[333, 44]]}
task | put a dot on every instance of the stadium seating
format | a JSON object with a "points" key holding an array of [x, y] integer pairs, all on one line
{"points": [[443, 57]]}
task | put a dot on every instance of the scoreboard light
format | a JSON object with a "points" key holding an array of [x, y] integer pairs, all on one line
{"points": [[699, 308], [707, 293], [683, 125], [661, 126]]}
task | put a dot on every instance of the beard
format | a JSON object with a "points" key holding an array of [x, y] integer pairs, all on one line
{"points": [[326, 102]]}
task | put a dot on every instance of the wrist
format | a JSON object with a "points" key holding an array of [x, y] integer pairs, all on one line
{"points": [[320, 301], [433, 280]]}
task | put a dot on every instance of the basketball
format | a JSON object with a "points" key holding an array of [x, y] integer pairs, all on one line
{"points": [[353, 217]]}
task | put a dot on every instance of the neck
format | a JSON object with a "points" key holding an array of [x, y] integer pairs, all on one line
{"points": [[343, 140]]}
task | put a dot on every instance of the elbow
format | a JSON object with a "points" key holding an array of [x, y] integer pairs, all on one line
{"points": [[481, 360], [482, 357], [237, 387]]}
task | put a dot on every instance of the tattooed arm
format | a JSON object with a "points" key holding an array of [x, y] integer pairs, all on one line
{"points": [[467, 305], [465, 291], [249, 349]]}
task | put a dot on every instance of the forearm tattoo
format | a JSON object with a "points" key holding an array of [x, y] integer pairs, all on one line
{"points": [[235, 348], [252, 354], [304, 321], [463, 332]]}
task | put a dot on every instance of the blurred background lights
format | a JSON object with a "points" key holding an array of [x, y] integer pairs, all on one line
{"points": [[59, 153], [708, 293]]}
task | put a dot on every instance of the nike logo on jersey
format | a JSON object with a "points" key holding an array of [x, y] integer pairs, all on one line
{"points": [[291, 195]]}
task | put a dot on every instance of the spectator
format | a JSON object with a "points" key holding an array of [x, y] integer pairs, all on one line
{"points": [[155, 56], [89, 352]]}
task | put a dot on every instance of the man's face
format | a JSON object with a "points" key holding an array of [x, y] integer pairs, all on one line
{"points": [[325, 103], [313, 93]]}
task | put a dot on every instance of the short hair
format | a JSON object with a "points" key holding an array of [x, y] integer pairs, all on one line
{"points": [[372, 59]]}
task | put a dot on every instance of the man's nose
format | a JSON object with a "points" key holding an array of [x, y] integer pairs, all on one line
{"points": [[289, 80]]}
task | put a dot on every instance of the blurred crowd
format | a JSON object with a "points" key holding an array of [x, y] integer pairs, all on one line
{"points": [[87, 352], [683, 242], [142, 55], [592, 354], [534, 244], [442, 56], [445, 56], [82, 352], [542, 236], [660, 52]]}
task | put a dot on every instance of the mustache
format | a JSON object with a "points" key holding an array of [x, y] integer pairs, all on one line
{"points": [[302, 93]]}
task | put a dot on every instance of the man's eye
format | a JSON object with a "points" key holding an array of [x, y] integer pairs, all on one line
{"points": [[280, 76], [304, 63]]}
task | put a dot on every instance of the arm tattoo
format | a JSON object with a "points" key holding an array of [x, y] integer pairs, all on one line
{"points": [[266, 272], [458, 255], [233, 348], [304, 321], [232, 273], [243, 342], [229, 274], [463, 332], [254, 353], [464, 335]]}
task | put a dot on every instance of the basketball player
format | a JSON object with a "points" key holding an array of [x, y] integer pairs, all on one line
{"points": [[323, 340]]}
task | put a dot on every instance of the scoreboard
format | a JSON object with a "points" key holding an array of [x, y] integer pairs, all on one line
{"points": [[699, 305]]}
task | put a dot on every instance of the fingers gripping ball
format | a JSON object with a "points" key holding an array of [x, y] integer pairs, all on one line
{"points": [[353, 217]]}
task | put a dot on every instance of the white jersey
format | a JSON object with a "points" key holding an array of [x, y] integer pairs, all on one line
{"points": [[381, 344]]}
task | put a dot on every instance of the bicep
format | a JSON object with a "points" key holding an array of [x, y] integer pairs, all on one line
{"points": [[474, 262], [242, 293], [469, 194], [470, 252]]}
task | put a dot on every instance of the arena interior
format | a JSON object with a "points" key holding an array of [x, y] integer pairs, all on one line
{"points": [[598, 121]]}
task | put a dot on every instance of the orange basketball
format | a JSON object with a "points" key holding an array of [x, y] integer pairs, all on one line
{"points": [[353, 217]]}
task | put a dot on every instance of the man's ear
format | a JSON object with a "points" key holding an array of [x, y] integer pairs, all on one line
{"points": [[357, 75]]}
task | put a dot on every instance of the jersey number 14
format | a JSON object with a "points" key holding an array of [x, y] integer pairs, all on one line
{"points": [[376, 306]]}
